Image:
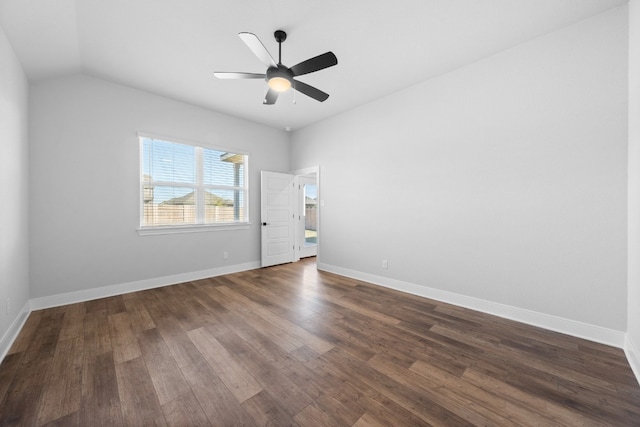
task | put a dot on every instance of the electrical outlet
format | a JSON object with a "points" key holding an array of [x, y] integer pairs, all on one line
{"points": [[225, 255], [385, 263]]}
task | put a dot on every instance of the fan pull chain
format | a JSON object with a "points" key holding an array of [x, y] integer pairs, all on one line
{"points": [[294, 93]]}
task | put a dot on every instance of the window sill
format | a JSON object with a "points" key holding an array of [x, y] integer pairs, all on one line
{"points": [[152, 231]]}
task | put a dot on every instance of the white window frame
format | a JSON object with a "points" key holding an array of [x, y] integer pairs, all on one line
{"points": [[199, 187]]}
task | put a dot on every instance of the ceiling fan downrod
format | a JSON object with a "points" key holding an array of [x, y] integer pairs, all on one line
{"points": [[280, 36]]}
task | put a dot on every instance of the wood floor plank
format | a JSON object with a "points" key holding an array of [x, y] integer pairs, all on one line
{"points": [[138, 399], [26, 334], [368, 420], [313, 382], [45, 338], [240, 382], [288, 303], [62, 393], [97, 334], [363, 310], [313, 416], [536, 358], [334, 377], [167, 379], [406, 397], [280, 337], [255, 338], [185, 411], [215, 322], [100, 398], [496, 408], [22, 402], [216, 400], [123, 340], [180, 346], [115, 305], [267, 411], [521, 398], [95, 305], [218, 403], [185, 308], [72, 325], [389, 413], [9, 368], [71, 420], [333, 331], [299, 333], [345, 413], [138, 315], [270, 379], [474, 414], [291, 345]]}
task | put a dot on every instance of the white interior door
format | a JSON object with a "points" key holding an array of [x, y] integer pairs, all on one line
{"points": [[277, 207]]}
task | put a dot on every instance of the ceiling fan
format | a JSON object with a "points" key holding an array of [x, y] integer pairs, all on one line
{"points": [[279, 77]]}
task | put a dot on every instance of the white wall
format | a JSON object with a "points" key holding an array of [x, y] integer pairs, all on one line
{"points": [[633, 299], [84, 193], [503, 181], [14, 189]]}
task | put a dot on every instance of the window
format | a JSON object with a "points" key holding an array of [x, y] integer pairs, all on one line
{"points": [[184, 185]]}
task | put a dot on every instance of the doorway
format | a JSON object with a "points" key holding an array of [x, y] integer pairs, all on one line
{"points": [[307, 233]]}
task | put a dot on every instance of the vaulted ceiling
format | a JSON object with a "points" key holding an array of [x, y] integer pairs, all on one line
{"points": [[172, 47]]}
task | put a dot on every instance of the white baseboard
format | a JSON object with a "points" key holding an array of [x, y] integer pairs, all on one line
{"points": [[139, 285], [12, 333], [554, 323], [632, 352]]}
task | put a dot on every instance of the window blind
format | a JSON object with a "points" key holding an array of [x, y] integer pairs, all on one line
{"points": [[184, 184]]}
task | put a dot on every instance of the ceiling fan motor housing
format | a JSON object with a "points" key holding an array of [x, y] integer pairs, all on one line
{"points": [[280, 72]]}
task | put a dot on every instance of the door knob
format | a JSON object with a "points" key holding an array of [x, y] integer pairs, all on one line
{"points": [[265, 224]]}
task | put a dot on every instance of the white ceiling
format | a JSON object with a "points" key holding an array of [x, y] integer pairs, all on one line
{"points": [[172, 47]]}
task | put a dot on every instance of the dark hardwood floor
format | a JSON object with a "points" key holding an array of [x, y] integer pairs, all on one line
{"points": [[289, 345]]}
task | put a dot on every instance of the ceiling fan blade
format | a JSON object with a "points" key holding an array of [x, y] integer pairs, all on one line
{"points": [[258, 49], [271, 97], [225, 75], [317, 63], [311, 91]]}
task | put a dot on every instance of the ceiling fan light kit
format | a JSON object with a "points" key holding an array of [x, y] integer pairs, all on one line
{"points": [[279, 77]]}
